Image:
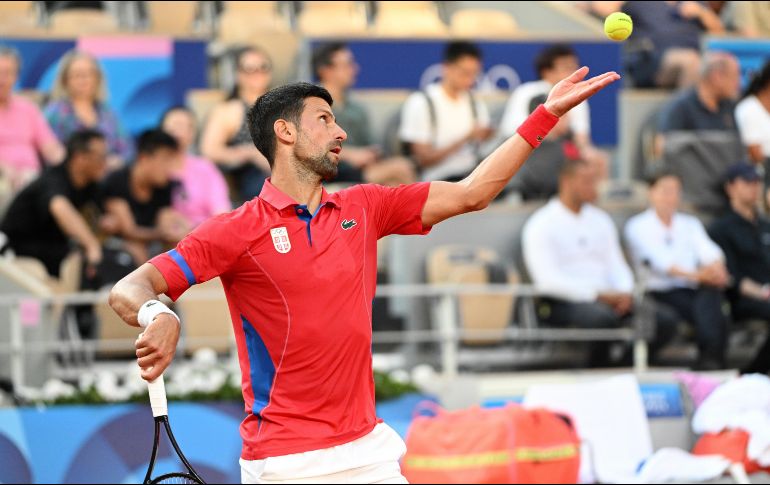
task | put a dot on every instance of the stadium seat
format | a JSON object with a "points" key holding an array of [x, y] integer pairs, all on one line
{"points": [[241, 21], [332, 18], [474, 23], [206, 317], [77, 22], [18, 17], [408, 19], [112, 328], [172, 18], [471, 265]]}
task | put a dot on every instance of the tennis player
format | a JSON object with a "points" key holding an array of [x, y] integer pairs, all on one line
{"points": [[298, 267]]}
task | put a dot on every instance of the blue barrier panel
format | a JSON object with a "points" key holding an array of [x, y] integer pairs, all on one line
{"points": [[384, 65], [112, 443], [145, 75], [660, 400]]}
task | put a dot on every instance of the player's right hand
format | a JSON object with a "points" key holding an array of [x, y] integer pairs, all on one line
{"points": [[156, 346]]}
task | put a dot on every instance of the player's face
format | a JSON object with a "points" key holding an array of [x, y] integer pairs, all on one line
{"points": [[462, 73], [82, 78], [9, 71], [666, 194], [319, 139], [181, 125]]}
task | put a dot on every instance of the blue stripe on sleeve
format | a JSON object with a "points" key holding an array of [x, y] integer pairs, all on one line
{"points": [[179, 260]]}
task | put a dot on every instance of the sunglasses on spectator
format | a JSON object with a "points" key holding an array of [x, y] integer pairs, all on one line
{"points": [[261, 68]]}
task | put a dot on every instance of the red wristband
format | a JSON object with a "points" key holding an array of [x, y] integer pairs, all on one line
{"points": [[536, 127]]}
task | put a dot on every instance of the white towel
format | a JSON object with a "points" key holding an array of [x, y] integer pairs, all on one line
{"points": [[675, 465]]}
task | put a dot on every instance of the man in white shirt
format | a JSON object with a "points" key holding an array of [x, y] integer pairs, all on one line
{"points": [[573, 256], [687, 269], [444, 125]]}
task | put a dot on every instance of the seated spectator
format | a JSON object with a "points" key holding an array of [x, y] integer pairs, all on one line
{"points": [[202, 191], [753, 117], [664, 48], [226, 139], [78, 101], [751, 19], [573, 255], [553, 64], [687, 269], [444, 125], [710, 104], [24, 131], [139, 197], [45, 215], [336, 69], [743, 234]]}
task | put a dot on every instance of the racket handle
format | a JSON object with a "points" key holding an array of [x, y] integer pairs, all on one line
{"points": [[158, 400]]}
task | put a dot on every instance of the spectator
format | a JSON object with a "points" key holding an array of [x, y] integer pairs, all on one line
{"points": [[79, 101], [23, 130], [707, 106], [444, 125], [687, 269], [574, 258], [45, 215], [751, 19], [336, 69], [743, 234], [753, 117], [664, 49], [553, 64], [202, 191], [226, 139], [139, 197]]}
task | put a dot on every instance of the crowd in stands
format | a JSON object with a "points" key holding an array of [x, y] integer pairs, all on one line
{"points": [[73, 178]]}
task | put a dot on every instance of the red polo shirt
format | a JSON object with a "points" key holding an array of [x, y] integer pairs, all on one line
{"points": [[300, 288]]}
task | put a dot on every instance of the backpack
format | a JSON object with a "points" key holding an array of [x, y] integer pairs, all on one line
{"points": [[502, 445]]}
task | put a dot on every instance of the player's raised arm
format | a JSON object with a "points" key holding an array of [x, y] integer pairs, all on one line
{"points": [[476, 191]]}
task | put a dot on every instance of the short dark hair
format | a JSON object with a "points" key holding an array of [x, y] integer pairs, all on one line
{"points": [[323, 54], [570, 167], [80, 142], [657, 175], [178, 107], [461, 48], [153, 140], [546, 58], [284, 102], [759, 81]]}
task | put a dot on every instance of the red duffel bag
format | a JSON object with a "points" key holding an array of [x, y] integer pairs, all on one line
{"points": [[500, 445]]}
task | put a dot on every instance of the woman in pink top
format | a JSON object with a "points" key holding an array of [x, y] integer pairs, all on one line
{"points": [[203, 192], [24, 131]]}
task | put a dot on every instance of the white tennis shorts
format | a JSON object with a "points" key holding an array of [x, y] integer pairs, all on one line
{"points": [[370, 459]]}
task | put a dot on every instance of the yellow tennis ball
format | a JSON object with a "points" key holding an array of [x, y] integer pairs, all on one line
{"points": [[618, 26]]}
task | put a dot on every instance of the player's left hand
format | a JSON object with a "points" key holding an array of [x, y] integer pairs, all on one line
{"points": [[573, 90]]}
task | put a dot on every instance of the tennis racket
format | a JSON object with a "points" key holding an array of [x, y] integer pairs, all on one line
{"points": [[159, 406]]}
